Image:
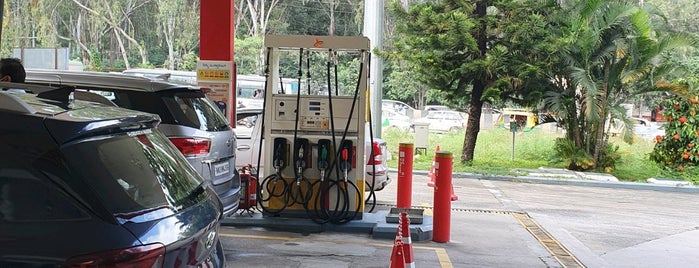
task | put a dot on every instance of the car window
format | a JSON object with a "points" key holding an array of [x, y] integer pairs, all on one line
{"points": [[193, 109], [245, 123], [26, 197], [135, 174], [433, 115], [176, 107]]}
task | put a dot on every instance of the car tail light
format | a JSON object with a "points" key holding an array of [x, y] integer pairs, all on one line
{"points": [[147, 256], [192, 146], [376, 157]]}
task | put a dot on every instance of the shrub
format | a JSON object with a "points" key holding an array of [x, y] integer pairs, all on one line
{"points": [[576, 157], [677, 151]]}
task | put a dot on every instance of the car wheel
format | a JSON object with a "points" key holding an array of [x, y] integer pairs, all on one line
{"points": [[454, 129]]}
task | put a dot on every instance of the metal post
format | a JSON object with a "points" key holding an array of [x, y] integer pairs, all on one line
{"points": [[405, 175], [514, 127], [442, 196], [373, 29], [512, 155]]}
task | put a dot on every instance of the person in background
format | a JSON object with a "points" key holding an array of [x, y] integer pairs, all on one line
{"points": [[258, 94], [12, 70]]}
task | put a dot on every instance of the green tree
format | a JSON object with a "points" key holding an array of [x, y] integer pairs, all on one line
{"points": [[246, 55], [609, 53], [176, 23], [474, 52], [678, 150]]}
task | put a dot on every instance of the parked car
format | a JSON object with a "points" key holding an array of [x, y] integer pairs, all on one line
{"points": [[646, 129], [444, 121], [249, 134], [393, 119], [641, 127], [400, 107], [190, 120], [179, 77], [88, 185], [429, 108]]}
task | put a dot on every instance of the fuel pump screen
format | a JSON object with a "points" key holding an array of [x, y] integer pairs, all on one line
{"points": [[316, 116]]}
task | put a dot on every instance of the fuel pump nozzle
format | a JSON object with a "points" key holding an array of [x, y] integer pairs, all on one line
{"points": [[300, 163], [345, 159], [279, 160], [301, 155], [323, 160]]}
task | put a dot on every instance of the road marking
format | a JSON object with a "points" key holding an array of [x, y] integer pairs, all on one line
{"points": [[442, 256], [558, 251]]}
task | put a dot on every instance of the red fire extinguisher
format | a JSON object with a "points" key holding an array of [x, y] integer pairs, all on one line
{"points": [[248, 200]]}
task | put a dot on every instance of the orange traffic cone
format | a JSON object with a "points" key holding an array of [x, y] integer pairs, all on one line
{"points": [[407, 241], [397, 258], [431, 174]]}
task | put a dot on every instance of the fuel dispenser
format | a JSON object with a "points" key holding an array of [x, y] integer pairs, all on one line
{"points": [[314, 132]]}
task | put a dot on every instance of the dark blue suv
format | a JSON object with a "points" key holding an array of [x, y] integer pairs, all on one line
{"points": [[88, 185]]}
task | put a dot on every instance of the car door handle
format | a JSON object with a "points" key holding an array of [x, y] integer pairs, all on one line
{"points": [[243, 148]]}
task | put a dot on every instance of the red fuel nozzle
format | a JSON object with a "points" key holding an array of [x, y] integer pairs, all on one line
{"points": [[344, 155]]}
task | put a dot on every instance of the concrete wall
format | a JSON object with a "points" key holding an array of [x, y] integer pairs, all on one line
{"points": [[44, 58]]}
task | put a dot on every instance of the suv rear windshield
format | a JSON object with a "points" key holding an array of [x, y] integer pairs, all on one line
{"points": [[195, 110], [180, 106], [135, 174]]}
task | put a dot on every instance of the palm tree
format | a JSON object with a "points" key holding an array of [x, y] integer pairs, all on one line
{"points": [[611, 53]]}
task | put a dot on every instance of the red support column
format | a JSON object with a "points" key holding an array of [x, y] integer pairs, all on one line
{"points": [[442, 196], [216, 38], [405, 175]]}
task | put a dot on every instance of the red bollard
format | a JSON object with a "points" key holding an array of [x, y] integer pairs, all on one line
{"points": [[405, 175], [442, 197]]}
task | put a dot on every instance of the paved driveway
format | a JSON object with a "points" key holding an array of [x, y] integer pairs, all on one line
{"points": [[504, 224]]}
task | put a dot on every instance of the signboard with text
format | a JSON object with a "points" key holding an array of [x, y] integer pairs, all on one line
{"points": [[217, 76]]}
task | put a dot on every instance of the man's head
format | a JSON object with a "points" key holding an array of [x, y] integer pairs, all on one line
{"points": [[12, 70]]}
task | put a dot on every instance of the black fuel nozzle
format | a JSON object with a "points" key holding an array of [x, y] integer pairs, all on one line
{"points": [[323, 157], [279, 159]]}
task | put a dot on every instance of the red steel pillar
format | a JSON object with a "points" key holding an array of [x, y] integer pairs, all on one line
{"points": [[442, 196], [216, 38], [405, 175]]}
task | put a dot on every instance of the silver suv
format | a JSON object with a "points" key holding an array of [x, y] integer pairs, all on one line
{"points": [[191, 121]]}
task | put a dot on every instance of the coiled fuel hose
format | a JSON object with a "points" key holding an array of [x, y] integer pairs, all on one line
{"points": [[274, 186]]}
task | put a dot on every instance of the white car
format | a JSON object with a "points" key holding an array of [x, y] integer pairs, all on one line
{"points": [[391, 118], [399, 107], [641, 127], [249, 135], [444, 120], [647, 129]]}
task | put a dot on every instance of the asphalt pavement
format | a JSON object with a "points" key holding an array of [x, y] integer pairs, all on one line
{"points": [[544, 219]]}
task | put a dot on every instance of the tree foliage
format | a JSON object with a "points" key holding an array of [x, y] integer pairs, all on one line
{"points": [[610, 51], [474, 52], [678, 150]]}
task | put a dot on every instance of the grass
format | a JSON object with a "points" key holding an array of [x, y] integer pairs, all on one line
{"points": [[533, 149]]}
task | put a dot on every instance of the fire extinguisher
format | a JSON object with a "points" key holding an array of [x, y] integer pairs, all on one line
{"points": [[248, 200]]}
